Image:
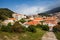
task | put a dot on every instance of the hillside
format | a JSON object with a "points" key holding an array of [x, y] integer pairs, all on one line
{"points": [[52, 11], [5, 13]]}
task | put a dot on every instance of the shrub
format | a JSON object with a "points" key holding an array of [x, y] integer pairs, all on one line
{"points": [[17, 28], [31, 28], [56, 28], [58, 23], [6, 28], [43, 27], [38, 26]]}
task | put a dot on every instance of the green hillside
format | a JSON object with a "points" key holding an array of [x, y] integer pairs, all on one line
{"points": [[5, 13]]}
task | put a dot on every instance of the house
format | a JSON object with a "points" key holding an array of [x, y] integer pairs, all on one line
{"points": [[32, 23], [26, 24], [38, 19], [31, 18], [18, 16], [9, 20], [50, 21]]}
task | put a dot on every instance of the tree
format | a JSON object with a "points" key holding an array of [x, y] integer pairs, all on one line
{"points": [[22, 20], [17, 28], [6, 28]]}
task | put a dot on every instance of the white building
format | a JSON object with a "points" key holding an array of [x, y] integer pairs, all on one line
{"points": [[18, 16], [9, 20]]}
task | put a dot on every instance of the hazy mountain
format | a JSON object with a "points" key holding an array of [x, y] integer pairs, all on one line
{"points": [[52, 12]]}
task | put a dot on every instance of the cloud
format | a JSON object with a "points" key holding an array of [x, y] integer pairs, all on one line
{"points": [[37, 8], [29, 10]]}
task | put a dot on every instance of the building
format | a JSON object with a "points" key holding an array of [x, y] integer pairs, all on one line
{"points": [[9, 20], [18, 16], [50, 21]]}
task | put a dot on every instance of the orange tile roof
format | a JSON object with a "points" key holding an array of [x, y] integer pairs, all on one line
{"points": [[50, 18], [38, 19], [32, 22], [54, 22], [11, 19]]}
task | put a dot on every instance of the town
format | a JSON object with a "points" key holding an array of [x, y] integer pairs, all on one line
{"points": [[29, 19], [50, 21]]}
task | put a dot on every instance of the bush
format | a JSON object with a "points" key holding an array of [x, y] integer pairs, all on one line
{"points": [[31, 28], [56, 28], [18, 28], [6, 28], [43, 27], [38, 26], [58, 23]]}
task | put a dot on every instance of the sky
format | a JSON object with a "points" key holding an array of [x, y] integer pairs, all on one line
{"points": [[29, 7]]}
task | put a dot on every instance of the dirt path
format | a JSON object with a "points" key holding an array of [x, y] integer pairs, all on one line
{"points": [[49, 36]]}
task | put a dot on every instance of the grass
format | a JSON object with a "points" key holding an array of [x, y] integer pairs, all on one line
{"points": [[22, 36], [57, 35]]}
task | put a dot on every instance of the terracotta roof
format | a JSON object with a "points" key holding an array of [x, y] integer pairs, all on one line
{"points": [[32, 22], [50, 18], [54, 22], [38, 19], [11, 19]]}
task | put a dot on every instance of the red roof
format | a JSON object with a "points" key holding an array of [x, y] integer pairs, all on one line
{"points": [[38, 19], [32, 22], [11, 19]]}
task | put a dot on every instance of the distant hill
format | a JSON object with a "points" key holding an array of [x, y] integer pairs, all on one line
{"points": [[5, 13], [52, 11]]}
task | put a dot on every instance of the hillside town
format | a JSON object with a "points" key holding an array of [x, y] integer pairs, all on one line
{"points": [[32, 20], [29, 19]]}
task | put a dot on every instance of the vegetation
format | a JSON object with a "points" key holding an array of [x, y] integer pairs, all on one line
{"points": [[17, 27], [22, 36], [31, 28], [44, 14], [22, 20], [57, 35], [52, 11], [56, 30], [6, 28], [43, 27], [58, 23], [5, 13], [13, 28], [19, 32]]}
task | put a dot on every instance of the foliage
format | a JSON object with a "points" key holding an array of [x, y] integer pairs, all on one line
{"points": [[22, 20], [29, 20], [22, 36], [38, 26], [6, 28], [58, 23], [31, 28], [43, 27], [56, 28], [57, 35], [17, 28], [5, 13]]}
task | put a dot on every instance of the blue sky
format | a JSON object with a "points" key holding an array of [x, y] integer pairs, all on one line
{"points": [[29, 6]]}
